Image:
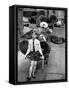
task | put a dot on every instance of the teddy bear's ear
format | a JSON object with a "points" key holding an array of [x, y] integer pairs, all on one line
{"points": [[44, 24]]}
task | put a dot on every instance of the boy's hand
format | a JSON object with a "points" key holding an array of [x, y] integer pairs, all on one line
{"points": [[25, 56], [42, 57]]}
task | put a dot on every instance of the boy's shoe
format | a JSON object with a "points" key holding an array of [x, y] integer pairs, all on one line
{"points": [[28, 78], [33, 76]]}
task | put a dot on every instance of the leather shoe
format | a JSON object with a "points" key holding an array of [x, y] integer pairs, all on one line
{"points": [[28, 78]]}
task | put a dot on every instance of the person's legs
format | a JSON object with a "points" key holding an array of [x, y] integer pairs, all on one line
{"points": [[31, 69], [34, 68]]}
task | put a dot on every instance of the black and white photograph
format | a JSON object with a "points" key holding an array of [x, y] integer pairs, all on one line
{"points": [[41, 54]]}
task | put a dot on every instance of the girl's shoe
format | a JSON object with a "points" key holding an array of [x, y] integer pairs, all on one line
{"points": [[28, 78]]}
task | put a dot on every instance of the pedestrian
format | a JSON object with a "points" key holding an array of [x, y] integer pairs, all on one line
{"points": [[35, 52]]}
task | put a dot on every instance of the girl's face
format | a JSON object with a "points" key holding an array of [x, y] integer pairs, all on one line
{"points": [[34, 35]]}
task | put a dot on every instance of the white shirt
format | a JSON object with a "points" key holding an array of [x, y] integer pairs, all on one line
{"points": [[36, 46]]}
